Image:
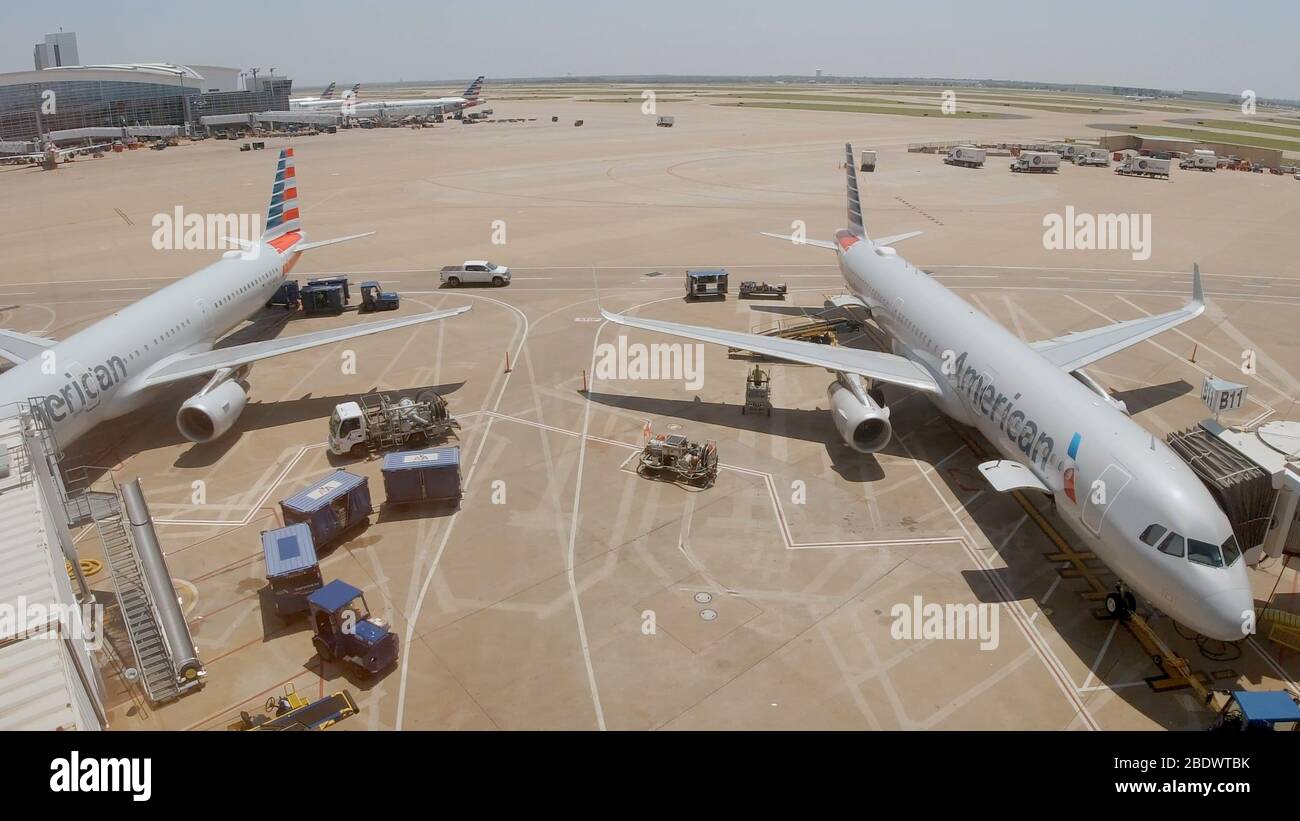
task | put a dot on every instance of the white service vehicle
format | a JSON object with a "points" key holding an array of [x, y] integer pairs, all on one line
{"points": [[1201, 159], [1138, 166], [379, 422], [479, 271], [868, 161], [1037, 162], [966, 155], [1069, 151], [1093, 156]]}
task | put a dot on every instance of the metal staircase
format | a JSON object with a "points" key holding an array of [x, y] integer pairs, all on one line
{"points": [[152, 657]]}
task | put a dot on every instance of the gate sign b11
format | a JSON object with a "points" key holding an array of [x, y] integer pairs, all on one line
{"points": [[1220, 395]]}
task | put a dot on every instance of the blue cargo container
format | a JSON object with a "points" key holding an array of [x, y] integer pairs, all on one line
{"points": [[422, 475], [341, 282], [291, 567], [333, 505]]}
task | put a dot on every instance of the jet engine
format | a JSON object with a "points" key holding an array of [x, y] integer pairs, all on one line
{"points": [[859, 418], [209, 413]]}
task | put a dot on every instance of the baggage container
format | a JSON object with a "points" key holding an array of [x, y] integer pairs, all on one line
{"points": [[431, 475], [291, 567], [330, 507]]}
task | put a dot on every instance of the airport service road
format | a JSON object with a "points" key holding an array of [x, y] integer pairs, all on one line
{"points": [[530, 612]]}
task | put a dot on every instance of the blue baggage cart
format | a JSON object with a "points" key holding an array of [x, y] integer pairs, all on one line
{"points": [[331, 506], [422, 475], [291, 567]]}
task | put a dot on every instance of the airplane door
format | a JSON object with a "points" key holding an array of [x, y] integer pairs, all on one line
{"points": [[204, 318], [1101, 494]]}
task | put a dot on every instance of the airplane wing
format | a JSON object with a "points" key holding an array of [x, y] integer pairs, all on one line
{"points": [[18, 348], [198, 364], [1074, 351], [882, 367]]}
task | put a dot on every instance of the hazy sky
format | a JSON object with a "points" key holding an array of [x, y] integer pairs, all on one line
{"points": [[1188, 44]]}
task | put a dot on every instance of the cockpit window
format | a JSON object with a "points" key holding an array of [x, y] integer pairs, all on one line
{"points": [[1231, 551], [1152, 534], [1204, 553], [1173, 545]]}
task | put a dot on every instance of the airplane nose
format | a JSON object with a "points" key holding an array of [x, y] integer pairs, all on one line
{"points": [[1226, 614]]}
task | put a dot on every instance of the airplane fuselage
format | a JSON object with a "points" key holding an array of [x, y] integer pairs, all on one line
{"points": [[1112, 478], [98, 373]]}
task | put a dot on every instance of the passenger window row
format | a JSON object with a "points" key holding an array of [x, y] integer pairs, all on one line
{"points": [[1206, 553]]}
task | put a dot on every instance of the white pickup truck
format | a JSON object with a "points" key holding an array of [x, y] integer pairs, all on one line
{"points": [[478, 271]]}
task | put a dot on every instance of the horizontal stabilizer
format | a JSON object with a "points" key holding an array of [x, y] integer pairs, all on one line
{"points": [[893, 238], [307, 246], [818, 243]]}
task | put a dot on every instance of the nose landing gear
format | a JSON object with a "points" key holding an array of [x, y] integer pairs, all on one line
{"points": [[1121, 602]]}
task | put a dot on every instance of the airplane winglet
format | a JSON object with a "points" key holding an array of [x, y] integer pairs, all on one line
{"points": [[1198, 290]]}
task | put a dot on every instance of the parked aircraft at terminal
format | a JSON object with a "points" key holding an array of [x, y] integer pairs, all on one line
{"points": [[114, 366], [354, 107], [1126, 494]]}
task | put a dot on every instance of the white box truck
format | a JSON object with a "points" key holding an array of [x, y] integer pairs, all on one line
{"points": [[1093, 156], [1069, 152], [966, 155], [868, 161], [1201, 159], [1138, 166], [1037, 162]]}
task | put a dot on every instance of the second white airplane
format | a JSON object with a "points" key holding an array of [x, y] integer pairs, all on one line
{"points": [[1125, 493], [116, 365]]}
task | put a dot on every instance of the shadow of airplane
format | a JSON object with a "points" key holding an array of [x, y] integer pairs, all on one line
{"points": [[789, 423], [1150, 396]]}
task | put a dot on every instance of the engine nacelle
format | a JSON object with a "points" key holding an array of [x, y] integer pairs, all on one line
{"points": [[864, 426], [206, 416]]}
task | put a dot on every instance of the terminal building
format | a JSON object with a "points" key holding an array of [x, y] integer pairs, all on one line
{"points": [[70, 97]]}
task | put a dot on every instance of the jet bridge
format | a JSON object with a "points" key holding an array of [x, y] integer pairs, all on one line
{"points": [[1255, 476]]}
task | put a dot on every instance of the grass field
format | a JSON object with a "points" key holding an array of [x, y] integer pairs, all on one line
{"points": [[1254, 126], [1290, 146], [916, 111]]}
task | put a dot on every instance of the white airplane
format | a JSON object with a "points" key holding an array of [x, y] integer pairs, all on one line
{"points": [[1125, 493], [115, 366], [51, 155], [405, 108], [327, 101], [327, 94]]}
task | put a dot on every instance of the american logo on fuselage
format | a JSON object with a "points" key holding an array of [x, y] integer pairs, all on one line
{"points": [[985, 399], [84, 391]]}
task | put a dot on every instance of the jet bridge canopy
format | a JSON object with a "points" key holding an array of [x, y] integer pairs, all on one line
{"points": [[1242, 488]]}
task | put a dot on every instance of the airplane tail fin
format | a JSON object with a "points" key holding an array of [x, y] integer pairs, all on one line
{"points": [[856, 225], [328, 93], [472, 92], [282, 213], [356, 89]]}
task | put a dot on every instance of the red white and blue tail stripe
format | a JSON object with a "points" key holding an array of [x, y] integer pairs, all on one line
{"points": [[283, 227], [472, 92]]}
